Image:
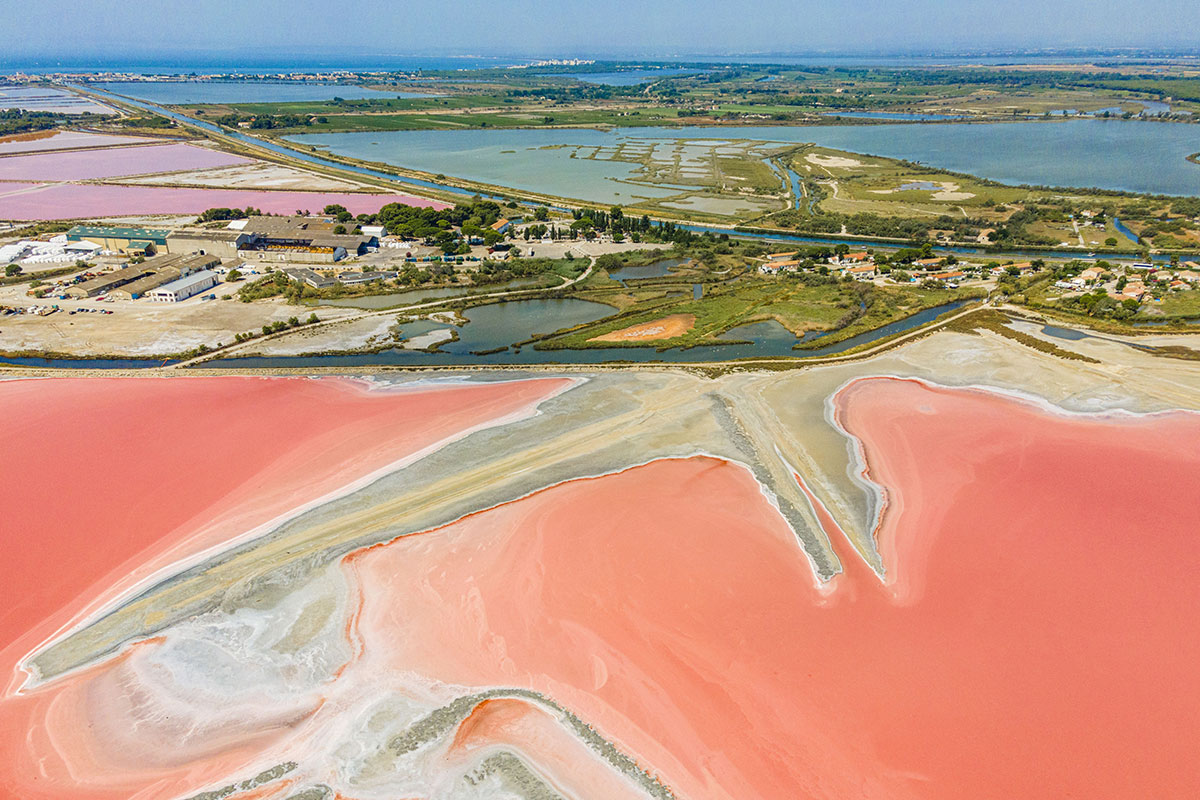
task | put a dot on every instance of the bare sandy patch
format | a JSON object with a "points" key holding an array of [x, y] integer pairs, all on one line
{"points": [[833, 161], [949, 192], [665, 328], [259, 175]]}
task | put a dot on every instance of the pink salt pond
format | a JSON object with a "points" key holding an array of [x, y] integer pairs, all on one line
{"points": [[62, 140], [23, 201], [111, 162], [1034, 636]]}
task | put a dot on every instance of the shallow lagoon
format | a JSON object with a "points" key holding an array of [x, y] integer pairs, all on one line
{"points": [[530, 159], [499, 325], [1126, 155], [181, 92]]}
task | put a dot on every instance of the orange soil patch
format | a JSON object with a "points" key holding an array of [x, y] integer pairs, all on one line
{"points": [[31, 136], [665, 328]]}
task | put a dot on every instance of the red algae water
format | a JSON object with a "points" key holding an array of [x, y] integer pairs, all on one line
{"points": [[106, 480], [1032, 636]]}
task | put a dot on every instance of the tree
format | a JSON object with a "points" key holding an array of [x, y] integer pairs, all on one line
{"points": [[333, 209], [312, 319], [11, 270], [1110, 242], [339, 229], [233, 275], [541, 214]]}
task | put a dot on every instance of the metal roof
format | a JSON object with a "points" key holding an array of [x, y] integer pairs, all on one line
{"points": [[155, 235], [188, 282], [212, 236]]}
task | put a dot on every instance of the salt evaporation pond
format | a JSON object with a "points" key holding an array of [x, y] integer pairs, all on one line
{"points": [[529, 159], [39, 141], [1022, 641], [40, 98], [112, 162], [25, 201], [1124, 155]]}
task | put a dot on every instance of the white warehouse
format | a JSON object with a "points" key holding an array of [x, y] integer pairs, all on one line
{"points": [[184, 288]]}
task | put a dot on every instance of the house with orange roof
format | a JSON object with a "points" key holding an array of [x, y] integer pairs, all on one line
{"points": [[866, 272], [1021, 267]]}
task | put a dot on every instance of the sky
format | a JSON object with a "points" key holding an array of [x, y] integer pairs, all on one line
{"points": [[254, 29]]}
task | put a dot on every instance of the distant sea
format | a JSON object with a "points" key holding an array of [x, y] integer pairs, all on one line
{"points": [[239, 65]]}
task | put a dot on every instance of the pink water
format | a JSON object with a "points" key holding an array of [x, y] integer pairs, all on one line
{"points": [[111, 162], [63, 140], [91, 201], [1035, 636]]}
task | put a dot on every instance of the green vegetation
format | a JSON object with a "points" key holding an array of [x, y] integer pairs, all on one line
{"points": [[735, 294], [892, 199], [214, 214], [720, 94], [16, 120]]}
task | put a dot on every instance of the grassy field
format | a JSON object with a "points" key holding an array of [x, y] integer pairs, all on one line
{"points": [[454, 112], [1178, 305], [735, 297]]}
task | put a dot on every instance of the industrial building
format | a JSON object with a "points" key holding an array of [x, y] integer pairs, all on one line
{"points": [[104, 283], [313, 279], [222, 243], [130, 241], [352, 278], [164, 269], [136, 280], [301, 239], [184, 288], [280, 239]]}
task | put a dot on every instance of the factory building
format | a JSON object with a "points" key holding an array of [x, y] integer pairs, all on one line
{"points": [[182, 289], [221, 243], [118, 239], [107, 282], [162, 270], [301, 239], [280, 239], [313, 279], [135, 280]]}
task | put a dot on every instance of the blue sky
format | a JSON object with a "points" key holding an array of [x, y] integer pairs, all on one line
{"points": [[646, 28]]}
